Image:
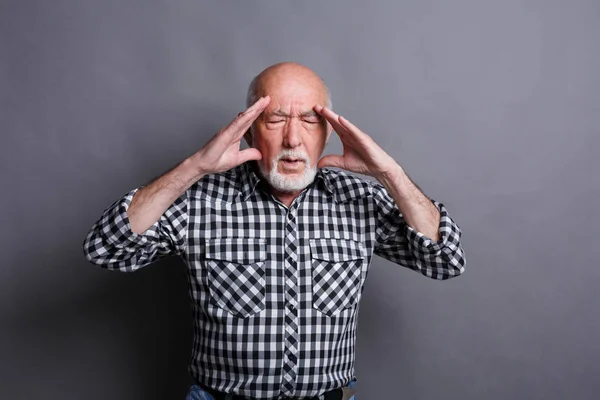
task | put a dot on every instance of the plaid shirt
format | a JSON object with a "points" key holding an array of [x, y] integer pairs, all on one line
{"points": [[275, 290]]}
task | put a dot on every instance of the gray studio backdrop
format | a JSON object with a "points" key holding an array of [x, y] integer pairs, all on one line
{"points": [[492, 107]]}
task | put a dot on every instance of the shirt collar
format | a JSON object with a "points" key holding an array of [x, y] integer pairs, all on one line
{"points": [[322, 177], [247, 179]]}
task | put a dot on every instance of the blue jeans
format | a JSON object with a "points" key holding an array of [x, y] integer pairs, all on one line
{"points": [[196, 393]]}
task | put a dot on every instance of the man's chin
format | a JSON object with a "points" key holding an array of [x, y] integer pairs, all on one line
{"points": [[291, 186], [290, 183], [291, 175], [291, 169]]}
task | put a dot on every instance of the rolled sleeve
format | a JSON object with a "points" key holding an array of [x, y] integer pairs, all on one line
{"points": [[115, 227], [443, 258], [112, 244], [400, 243]]}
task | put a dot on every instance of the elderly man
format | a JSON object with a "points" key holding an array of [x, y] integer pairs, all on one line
{"points": [[277, 246]]}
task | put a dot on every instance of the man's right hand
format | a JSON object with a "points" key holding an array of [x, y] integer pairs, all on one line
{"points": [[222, 152]]}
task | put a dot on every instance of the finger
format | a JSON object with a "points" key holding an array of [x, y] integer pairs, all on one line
{"points": [[331, 161], [245, 119], [350, 127], [346, 126], [249, 154], [331, 117], [252, 112], [259, 103]]}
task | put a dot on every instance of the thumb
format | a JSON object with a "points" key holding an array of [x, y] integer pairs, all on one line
{"points": [[331, 161], [249, 154]]}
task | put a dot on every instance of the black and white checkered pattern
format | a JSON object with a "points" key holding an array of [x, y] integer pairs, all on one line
{"points": [[275, 291]]}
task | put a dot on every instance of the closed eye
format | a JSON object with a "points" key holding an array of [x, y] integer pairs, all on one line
{"points": [[311, 120]]}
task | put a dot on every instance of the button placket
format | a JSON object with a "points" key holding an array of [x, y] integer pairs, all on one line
{"points": [[290, 363]]}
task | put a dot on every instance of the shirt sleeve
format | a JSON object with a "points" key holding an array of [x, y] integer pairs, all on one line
{"points": [[113, 245], [400, 243]]}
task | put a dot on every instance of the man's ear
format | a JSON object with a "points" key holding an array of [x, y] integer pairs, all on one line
{"points": [[248, 137], [329, 130]]}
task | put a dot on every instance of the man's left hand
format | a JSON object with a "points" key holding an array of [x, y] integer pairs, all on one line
{"points": [[360, 153]]}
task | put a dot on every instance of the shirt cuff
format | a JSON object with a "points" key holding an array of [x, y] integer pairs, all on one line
{"points": [[116, 228], [448, 242]]}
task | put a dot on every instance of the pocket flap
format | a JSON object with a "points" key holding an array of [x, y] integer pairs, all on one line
{"points": [[336, 250], [237, 250]]}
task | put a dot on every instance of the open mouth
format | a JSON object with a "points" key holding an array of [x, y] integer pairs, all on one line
{"points": [[291, 163], [290, 160]]}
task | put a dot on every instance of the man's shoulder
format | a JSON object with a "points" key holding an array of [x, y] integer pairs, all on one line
{"points": [[346, 186]]}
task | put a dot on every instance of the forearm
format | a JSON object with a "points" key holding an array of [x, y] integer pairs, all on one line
{"points": [[151, 201], [417, 209]]}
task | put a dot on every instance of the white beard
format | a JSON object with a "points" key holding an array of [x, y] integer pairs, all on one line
{"points": [[284, 183]]}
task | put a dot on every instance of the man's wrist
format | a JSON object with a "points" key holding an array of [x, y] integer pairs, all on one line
{"points": [[187, 173], [397, 182]]}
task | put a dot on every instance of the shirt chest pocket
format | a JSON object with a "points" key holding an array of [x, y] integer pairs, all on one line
{"points": [[236, 274], [336, 271]]}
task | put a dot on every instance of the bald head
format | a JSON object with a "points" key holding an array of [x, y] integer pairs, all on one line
{"points": [[285, 74]]}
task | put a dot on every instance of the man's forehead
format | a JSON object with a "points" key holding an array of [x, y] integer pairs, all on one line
{"points": [[292, 89], [294, 103]]}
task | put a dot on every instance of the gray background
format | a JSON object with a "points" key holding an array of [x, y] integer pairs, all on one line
{"points": [[493, 108]]}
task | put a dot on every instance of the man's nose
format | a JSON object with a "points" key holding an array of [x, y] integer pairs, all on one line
{"points": [[292, 135]]}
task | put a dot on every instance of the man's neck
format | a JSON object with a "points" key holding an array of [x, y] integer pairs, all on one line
{"points": [[286, 198]]}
